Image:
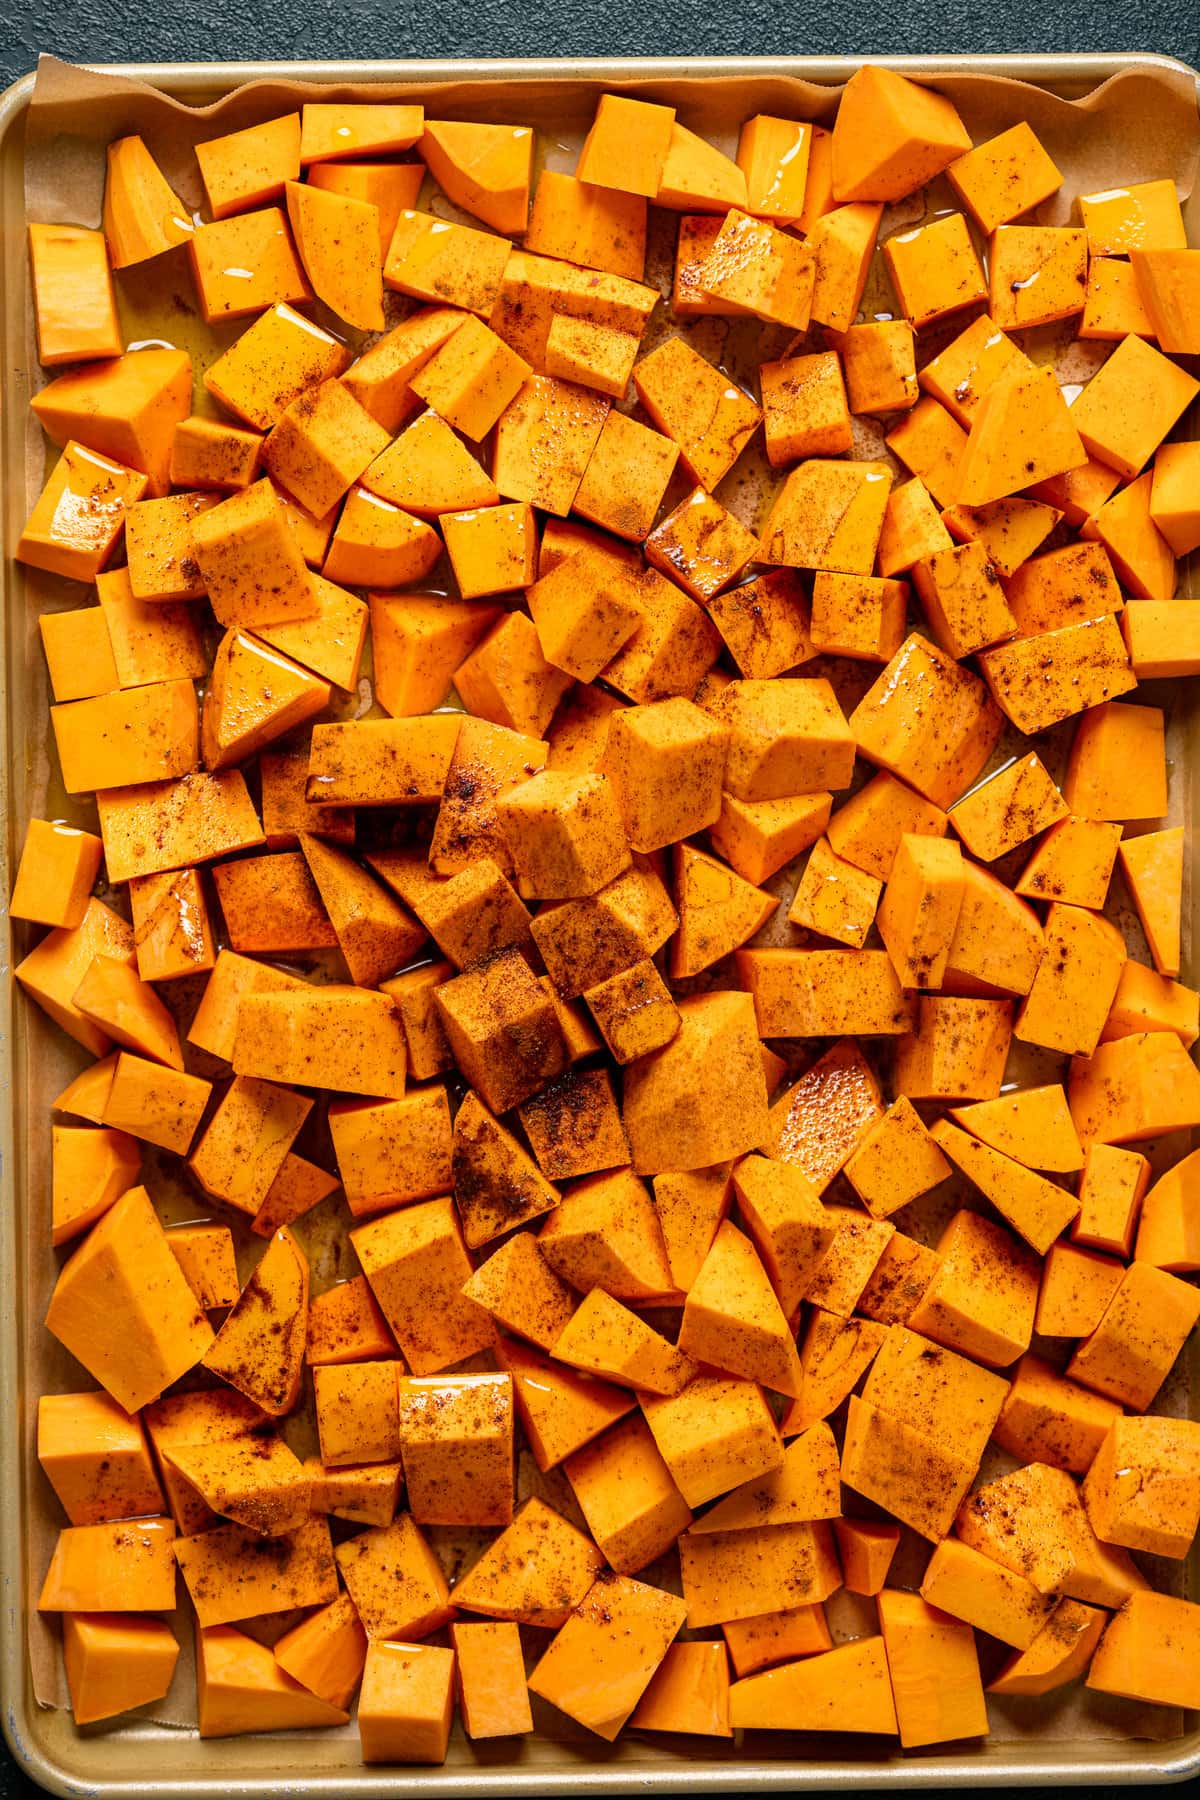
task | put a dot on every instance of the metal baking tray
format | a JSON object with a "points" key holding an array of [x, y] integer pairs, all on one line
{"points": [[138, 1757]]}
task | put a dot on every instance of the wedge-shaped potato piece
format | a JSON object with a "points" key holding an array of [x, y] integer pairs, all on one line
{"points": [[259, 1350], [891, 136], [784, 1216], [233, 1573], [485, 169], [1038, 1209], [123, 1308], [535, 1572], [600, 1664], [376, 934], [1032, 1125], [326, 1651], [242, 1688], [337, 238], [142, 214], [256, 1481], [833, 1356], [846, 1689], [605, 1338], [560, 1410], [395, 1581], [1153, 867]]}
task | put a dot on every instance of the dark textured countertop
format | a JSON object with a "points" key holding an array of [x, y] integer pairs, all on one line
{"points": [[231, 30]]}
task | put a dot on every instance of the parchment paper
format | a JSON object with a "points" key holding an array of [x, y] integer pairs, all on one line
{"points": [[1140, 125]]}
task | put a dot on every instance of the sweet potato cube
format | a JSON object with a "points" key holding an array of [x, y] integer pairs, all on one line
{"points": [[1034, 1523], [1130, 1353], [1168, 288], [617, 1636], [1048, 1419], [56, 873], [492, 1693], [1005, 177], [717, 911], [865, 1551], [114, 1663], [392, 1151], [744, 1573], [895, 1162], [565, 834], [406, 1704], [74, 304], [54, 968], [1038, 1209], [844, 1689], [507, 679], [255, 1481], [775, 1637], [786, 737], [242, 265], [628, 471], [627, 145], [326, 1652], [912, 528], [1076, 982], [492, 549], [155, 1334], [1060, 1653], [604, 1338], [858, 616], [843, 243], [957, 1052], [127, 738], [983, 1297], [456, 1437], [689, 1692], [346, 1325], [892, 136], [918, 1479], [790, 1228], [680, 1107], [1076, 1287], [1038, 274], [503, 1030], [570, 414], [1143, 1488], [1139, 552], [1153, 868], [773, 155], [701, 545], [928, 722], [242, 1688], [634, 1011], [756, 269], [934, 269], [583, 942], [598, 227], [816, 1123], [1130, 404], [111, 1568], [758, 837], [934, 1670], [879, 365], [920, 907], [246, 1140], [969, 1586], [410, 1257], [666, 763], [627, 1495], [1148, 1651], [694, 404], [96, 1458], [395, 1581], [827, 515], [79, 516], [78, 651], [732, 1318]]}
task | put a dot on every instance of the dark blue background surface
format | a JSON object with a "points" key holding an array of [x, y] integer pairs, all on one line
{"points": [[245, 30]]}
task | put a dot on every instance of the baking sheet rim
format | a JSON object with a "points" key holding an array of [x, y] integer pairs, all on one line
{"points": [[1167, 1762]]}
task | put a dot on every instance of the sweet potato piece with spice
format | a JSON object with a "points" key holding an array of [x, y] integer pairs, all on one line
{"points": [[846, 1689], [260, 1348], [456, 1437], [534, 1572], [127, 1567], [703, 1098], [96, 1458], [601, 1662], [416, 1263]]}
